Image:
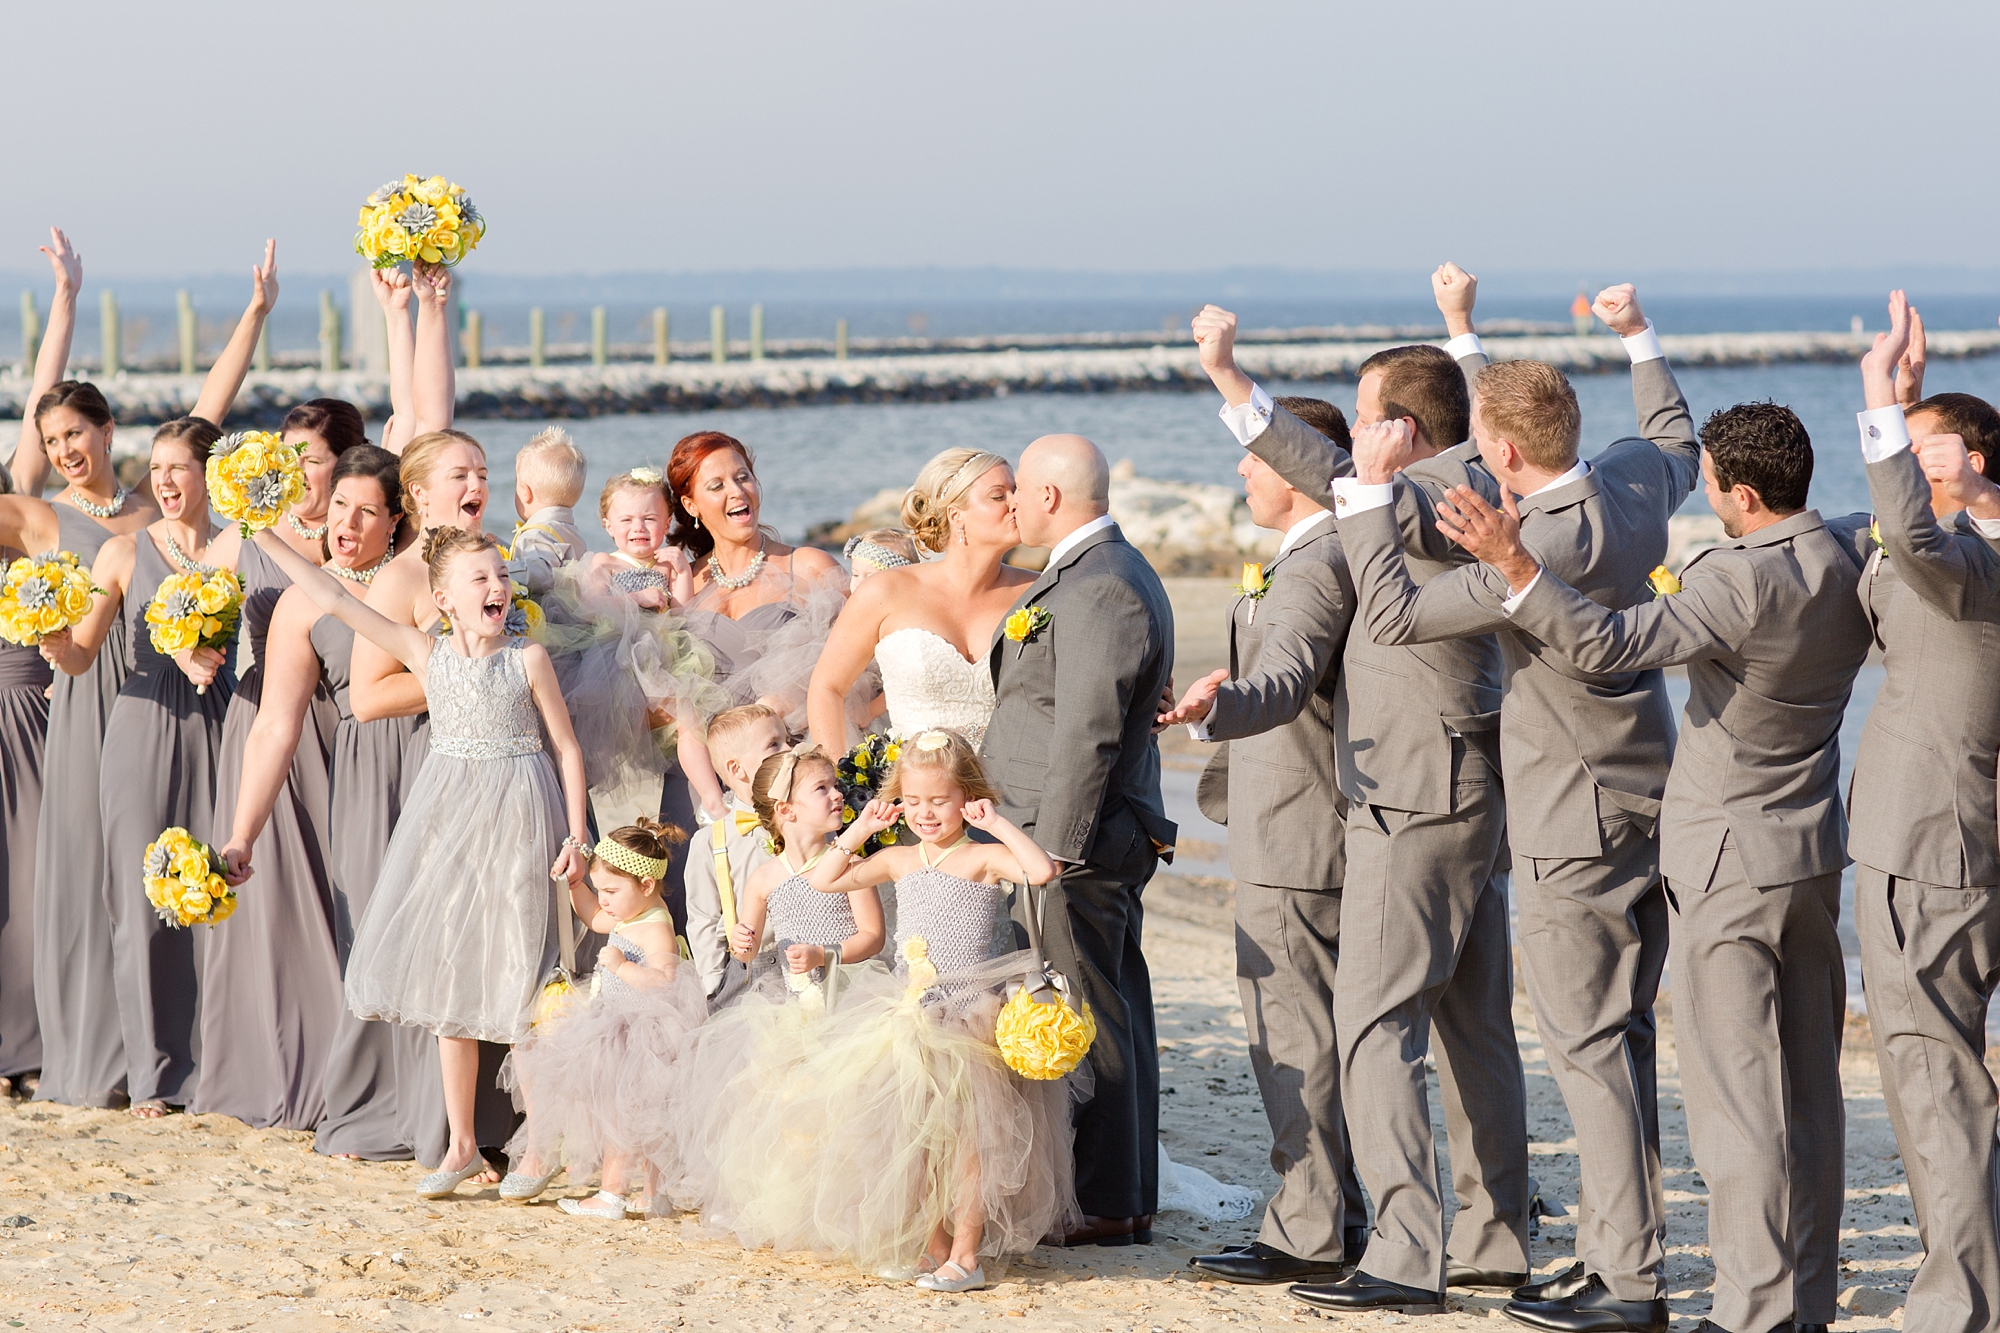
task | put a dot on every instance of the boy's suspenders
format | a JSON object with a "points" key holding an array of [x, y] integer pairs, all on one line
{"points": [[725, 892]]}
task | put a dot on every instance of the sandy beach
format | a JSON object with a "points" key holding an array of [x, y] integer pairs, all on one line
{"points": [[199, 1223]]}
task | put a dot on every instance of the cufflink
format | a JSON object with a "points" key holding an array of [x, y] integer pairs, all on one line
{"points": [[1874, 431]]}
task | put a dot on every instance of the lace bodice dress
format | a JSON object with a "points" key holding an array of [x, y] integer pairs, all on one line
{"points": [[928, 684], [461, 929]]}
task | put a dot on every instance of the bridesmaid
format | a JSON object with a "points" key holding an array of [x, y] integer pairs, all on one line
{"points": [[24, 719], [317, 1064]]}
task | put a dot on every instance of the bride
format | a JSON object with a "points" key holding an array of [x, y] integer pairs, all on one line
{"points": [[929, 626]]}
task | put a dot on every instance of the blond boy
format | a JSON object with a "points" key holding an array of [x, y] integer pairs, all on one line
{"points": [[548, 481], [739, 740]]}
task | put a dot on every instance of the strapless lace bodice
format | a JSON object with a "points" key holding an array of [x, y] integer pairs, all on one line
{"points": [[927, 684], [481, 707]]}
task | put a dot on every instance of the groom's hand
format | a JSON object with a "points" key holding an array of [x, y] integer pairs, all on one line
{"points": [[1381, 449], [1215, 339], [1199, 702]]}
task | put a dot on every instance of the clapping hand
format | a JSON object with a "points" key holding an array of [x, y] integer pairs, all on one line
{"points": [[1878, 364], [264, 280], [1455, 290], [1200, 701], [1618, 307], [1381, 449], [1492, 535], [67, 263]]}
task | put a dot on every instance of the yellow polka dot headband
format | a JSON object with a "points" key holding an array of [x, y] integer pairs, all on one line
{"points": [[632, 863]]}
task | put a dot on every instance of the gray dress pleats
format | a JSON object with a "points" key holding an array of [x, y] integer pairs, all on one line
{"points": [[24, 723]]}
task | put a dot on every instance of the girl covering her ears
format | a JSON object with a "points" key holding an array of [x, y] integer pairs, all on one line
{"points": [[926, 1151], [604, 1081], [462, 931]]}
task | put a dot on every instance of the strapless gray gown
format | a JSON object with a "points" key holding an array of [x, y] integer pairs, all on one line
{"points": [[270, 981], [166, 738], [83, 1048], [24, 723]]}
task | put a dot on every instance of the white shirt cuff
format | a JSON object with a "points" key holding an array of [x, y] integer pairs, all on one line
{"points": [[1246, 421], [1198, 731], [1514, 601], [1884, 432], [1352, 497], [1644, 345], [1464, 345], [1985, 527]]}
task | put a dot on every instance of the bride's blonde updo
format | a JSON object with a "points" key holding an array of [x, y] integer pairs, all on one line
{"points": [[942, 484]]}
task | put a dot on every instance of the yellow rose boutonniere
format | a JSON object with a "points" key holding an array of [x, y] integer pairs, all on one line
{"points": [[1025, 624], [1254, 584], [1663, 581]]}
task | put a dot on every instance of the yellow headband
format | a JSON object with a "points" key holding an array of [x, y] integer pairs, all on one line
{"points": [[629, 861]]}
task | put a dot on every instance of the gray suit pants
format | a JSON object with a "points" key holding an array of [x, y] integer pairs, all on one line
{"points": [[1287, 952], [1593, 943], [1930, 960], [1426, 945], [1760, 995]]}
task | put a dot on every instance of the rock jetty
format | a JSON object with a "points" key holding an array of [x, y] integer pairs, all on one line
{"points": [[588, 390]]}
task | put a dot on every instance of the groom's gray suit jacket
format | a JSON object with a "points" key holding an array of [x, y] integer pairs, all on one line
{"points": [[1276, 714], [1071, 741]]}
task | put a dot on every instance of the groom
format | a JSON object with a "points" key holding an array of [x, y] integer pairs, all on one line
{"points": [[1078, 679]]}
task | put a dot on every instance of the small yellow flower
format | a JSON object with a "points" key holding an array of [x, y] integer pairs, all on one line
{"points": [[893, 753], [1024, 624], [1663, 581], [1253, 578]]}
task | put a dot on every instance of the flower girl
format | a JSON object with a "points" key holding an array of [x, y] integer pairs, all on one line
{"points": [[462, 929], [601, 1080], [899, 1137]]}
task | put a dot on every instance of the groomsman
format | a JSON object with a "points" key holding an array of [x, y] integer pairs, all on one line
{"points": [[1927, 886], [1273, 784], [1423, 904], [1585, 757], [1752, 842]]}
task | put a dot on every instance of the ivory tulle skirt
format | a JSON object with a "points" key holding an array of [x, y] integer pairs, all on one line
{"points": [[855, 1132]]}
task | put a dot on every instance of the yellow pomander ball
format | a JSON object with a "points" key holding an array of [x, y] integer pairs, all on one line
{"points": [[1043, 1040], [553, 1000]]}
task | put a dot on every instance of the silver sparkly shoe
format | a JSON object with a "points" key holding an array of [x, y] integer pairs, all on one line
{"points": [[943, 1279], [519, 1187], [440, 1183]]}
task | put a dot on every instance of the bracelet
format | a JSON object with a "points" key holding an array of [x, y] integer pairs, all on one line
{"points": [[571, 840]]}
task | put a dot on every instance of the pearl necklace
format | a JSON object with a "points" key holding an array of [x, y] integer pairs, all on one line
{"points": [[83, 502], [740, 581], [317, 534], [183, 559], [362, 576]]}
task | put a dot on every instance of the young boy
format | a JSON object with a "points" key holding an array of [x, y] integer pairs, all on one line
{"points": [[722, 854], [548, 481]]}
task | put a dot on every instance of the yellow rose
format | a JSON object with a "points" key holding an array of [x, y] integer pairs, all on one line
{"points": [[212, 598], [193, 906], [224, 905], [893, 753], [48, 620], [191, 864], [1018, 626], [1663, 581], [1253, 578]]}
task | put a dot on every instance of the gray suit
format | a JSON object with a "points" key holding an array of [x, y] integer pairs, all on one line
{"points": [[1071, 748], [1752, 846], [1927, 889], [1585, 755], [1425, 911], [1287, 854]]}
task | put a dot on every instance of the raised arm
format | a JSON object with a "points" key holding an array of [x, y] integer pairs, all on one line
{"points": [[434, 381], [1022, 858], [291, 675], [411, 647], [1657, 400], [30, 468], [225, 377], [378, 684], [392, 293]]}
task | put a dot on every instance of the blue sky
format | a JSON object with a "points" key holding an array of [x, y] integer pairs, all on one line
{"points": [[602, 137]]}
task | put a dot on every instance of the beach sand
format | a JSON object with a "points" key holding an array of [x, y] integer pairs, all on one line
{"points": [[199, 1223]]}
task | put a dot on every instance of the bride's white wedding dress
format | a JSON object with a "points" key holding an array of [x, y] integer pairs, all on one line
{"points": [[926, 683]]}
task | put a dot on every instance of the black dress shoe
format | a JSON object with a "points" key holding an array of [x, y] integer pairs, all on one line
{"points": [[1261, 1265], [1465, 1275], [1560, 1287], [1360, 1292], [1592, 1310]]}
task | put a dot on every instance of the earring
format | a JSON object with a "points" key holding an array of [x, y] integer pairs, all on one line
{"points": [[963, 540], [697, 522]]}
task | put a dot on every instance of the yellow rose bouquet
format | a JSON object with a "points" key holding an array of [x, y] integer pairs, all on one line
{"points": [[184, 881], [42, 595], [422, 221], [254, 477], [194, 611]]}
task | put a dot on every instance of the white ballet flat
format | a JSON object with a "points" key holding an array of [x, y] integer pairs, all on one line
{"points": [[597, 1205], [941, 1279], [519, 1187], [440, 1183]]}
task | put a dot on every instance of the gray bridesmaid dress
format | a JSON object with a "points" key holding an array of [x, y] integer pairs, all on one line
{"points": [[24, 723], [83, 1048], [374, 766], [270, 978], [167, 737]]}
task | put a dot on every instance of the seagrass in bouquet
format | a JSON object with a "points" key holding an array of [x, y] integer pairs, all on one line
{"points": [[860, 773], [418, 220], [254, 477], [184, 881], [195, 610], [43, 594]]}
